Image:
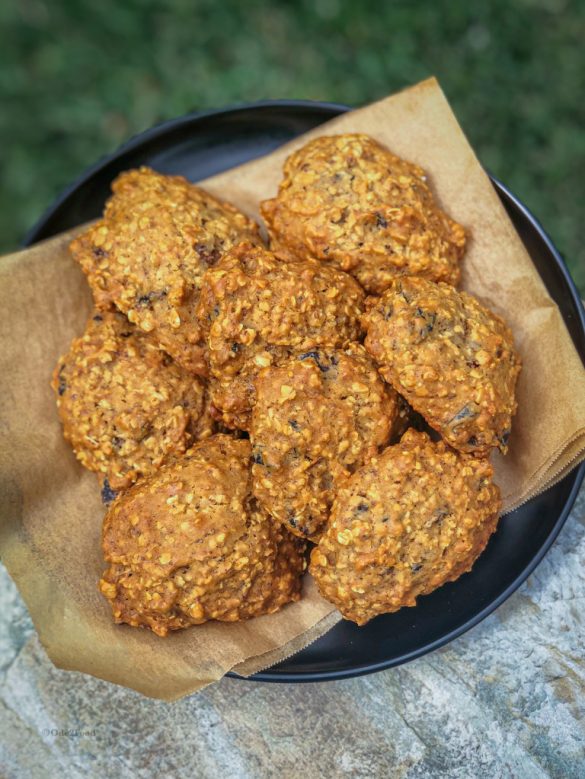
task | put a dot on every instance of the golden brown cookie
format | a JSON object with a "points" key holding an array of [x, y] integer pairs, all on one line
{"points": [[189, 544], [414, 518], [347, 200], [451, 357], [147, 255], [316, 419], [126, 407], [258, 310]]}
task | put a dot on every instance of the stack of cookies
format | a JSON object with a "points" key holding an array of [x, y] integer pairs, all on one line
{"points": [[327, 397]]}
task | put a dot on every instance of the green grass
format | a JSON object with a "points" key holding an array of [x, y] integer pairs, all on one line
{"points": [[78, 77]]}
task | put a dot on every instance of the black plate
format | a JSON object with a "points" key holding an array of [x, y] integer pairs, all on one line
{"points": [[200, 145]]}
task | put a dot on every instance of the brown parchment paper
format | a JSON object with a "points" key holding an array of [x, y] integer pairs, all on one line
{"points": [[50, 507]]}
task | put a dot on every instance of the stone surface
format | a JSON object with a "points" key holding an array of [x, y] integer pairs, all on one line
{"points": [[505, 700]]}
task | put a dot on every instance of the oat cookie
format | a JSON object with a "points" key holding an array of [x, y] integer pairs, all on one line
{"points": [[347, 200], [148, 253], [257, 311], [126, 407], [316, 419], [189, 544], [451, 358], [414, 518]]}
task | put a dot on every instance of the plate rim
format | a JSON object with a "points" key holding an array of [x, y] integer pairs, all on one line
{"points": [[335, 109]]}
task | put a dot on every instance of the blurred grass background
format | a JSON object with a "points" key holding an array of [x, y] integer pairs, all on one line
{"points": [[78, 77]]}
